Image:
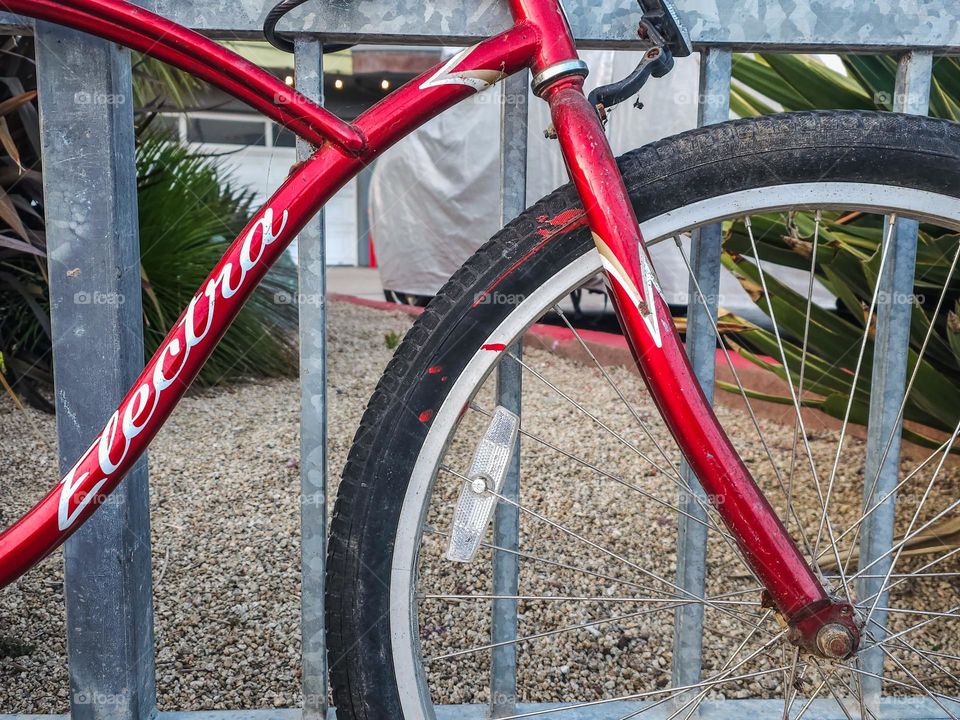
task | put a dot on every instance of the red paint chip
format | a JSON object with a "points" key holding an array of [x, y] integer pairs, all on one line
{"points": [[426, 415], [435, 369], [496, 347]]}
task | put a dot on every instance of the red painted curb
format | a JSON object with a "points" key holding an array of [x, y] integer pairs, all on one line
{"points": [[609, 348]]}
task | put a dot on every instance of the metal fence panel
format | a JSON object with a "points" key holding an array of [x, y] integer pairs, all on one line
{"points": [[313, 418], [86, 110], [888, 385], [110, 618], [787, 24], [715, 72], [506, 527]]}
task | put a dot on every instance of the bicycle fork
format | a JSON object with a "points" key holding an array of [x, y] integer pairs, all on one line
{"points": [[818, 623]]}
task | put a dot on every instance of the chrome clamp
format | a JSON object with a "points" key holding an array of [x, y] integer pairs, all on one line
{"points": [[558, 70]]}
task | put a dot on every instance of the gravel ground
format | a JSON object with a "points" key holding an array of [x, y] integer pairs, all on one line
{"points": [[224, 484], [224, 496]]}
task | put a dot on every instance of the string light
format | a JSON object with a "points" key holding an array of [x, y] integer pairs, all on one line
{"points": [[384, 84], [338, 84], [288, 80]]}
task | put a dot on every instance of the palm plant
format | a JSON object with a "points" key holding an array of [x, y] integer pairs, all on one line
{"points": [[189, 212], [847, 257], [802, 82], [176, 256]]}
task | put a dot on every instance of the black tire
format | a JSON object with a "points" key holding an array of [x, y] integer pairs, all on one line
{"points": [[891, 149]]}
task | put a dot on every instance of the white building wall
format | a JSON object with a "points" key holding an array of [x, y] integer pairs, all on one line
{"points": [[263, 168]]}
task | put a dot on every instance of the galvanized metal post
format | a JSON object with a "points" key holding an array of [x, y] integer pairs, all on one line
{"points": [[888, 384], [86, 106], [506, 527], [313, 417], [714, 107], [363, 215]]}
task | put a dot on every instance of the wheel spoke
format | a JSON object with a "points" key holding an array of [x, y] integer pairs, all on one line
{"points": [[824, 679], [789, 682], [623, 398], [615, 478], [803, 367], [944, 447], [685, 594], [893, 681], [907, 611], [920, 685], [824, 501], [574, 568], [824, 518], [905, 539], [743, 394], [576, 598], [617, 436], [551, 633], [903, 406], [728, 667], [913, 521], [906, 577], [588, 503], [907, 631], [904, 645], [673, 692]]}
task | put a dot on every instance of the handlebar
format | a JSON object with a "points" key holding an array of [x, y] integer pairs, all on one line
{"points": [[282, 41]]}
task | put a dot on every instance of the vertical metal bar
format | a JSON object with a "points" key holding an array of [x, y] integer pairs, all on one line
{"points": [[888, 383], [86, 106], [363, 215], [313, 417], [714, 107], [506, 526]]}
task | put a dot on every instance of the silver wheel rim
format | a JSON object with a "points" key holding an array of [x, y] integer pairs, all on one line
{"points": [[411, 679]]}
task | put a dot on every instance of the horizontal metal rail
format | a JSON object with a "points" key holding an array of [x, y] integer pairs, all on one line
{"points": [[745, 25], [899, 708]]}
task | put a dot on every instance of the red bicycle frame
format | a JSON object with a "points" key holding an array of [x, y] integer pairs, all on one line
{"points": [[541, 40]]}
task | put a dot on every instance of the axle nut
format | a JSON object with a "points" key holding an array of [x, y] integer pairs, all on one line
{"points": [[834, 641]]}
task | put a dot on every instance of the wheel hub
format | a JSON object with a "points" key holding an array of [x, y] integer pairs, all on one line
{"points": [[835, 641], [828, 629]]}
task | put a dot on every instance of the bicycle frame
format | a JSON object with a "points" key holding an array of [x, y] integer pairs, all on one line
{"points": [[541, 40]]}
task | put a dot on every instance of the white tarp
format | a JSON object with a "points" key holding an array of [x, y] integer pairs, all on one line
{"points": [[435, 197]]}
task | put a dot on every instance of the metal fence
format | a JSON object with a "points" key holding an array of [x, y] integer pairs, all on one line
{"points": [[91, 205]]}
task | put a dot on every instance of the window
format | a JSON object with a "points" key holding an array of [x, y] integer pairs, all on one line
{"points": [[283, 137], [167, 126], [226, 132]]}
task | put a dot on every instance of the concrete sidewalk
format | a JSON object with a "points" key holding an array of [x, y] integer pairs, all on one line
{"points": [[361, 282]]}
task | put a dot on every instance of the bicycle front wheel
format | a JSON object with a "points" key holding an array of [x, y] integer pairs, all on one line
{"points": [[619, 593]]}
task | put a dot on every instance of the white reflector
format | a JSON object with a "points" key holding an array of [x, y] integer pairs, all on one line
{"points": [[487, 473]]}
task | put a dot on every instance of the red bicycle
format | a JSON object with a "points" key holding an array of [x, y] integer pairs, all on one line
{"points": [[407, 598]]}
